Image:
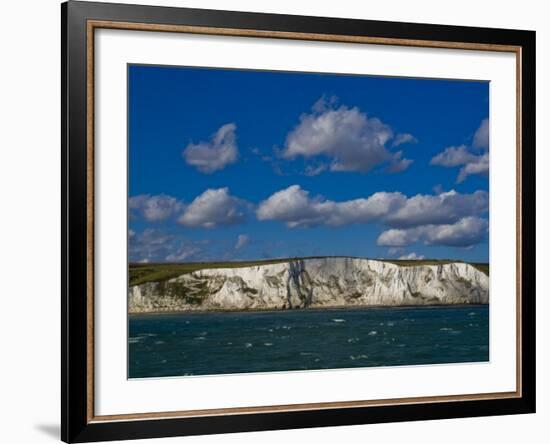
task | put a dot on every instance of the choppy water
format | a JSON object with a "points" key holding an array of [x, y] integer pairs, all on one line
{"points": [[221, 343]]}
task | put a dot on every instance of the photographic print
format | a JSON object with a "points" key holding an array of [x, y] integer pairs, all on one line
{"points": [[287, 221], [266, 218]]}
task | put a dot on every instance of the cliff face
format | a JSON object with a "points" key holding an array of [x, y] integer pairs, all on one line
{"points": [[325, 282]]}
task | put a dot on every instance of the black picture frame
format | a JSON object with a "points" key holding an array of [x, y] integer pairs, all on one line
{"points": [[76, 423]]}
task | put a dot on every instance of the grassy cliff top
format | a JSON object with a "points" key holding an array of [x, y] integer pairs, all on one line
{"points": [[157, 272]]}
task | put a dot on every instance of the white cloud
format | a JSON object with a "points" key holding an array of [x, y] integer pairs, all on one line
{"points": [[324, 102], [153, 245], [149, 246], [351, 140], [183, 253], [154, 208], [450, 218], [466, 232], [453, 156], [411, 257], [479, 166], [242, 241], [481, 136], [315, 170], [295, 207], [400, 139], [291, 205], [216, 154], [213, 208], [396, 238], [398, 163], [471, 163], [443, 208]]}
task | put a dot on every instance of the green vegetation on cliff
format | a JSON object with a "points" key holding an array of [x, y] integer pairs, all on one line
{"points": [[142, 273], [483, 267], [159, 272]]}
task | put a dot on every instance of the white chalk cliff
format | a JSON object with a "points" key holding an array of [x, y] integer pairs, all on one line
{"points": [[316, 283]]}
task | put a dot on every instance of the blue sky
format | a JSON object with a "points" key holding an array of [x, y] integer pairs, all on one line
{"points": [[236, 164]]}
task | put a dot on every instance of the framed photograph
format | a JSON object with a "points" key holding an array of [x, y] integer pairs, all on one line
{"points": [[276, 221]]}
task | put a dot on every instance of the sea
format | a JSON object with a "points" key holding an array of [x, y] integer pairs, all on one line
{"points": [[214, 343]]}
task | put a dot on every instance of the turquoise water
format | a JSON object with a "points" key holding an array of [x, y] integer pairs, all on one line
{"points": [[221, 343]]}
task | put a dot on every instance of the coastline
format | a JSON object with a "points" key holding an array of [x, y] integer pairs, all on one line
{"points": [[315, 309]]}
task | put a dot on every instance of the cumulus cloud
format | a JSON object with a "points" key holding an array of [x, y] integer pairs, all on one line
{"points": [[185, 252], [348, 137], [481, 136], [291, 205], [215, 154], [466, 232], [443, 208], [242, 241], [154, 208], [400, 139], [470, 162], [398, 163], [396, 238], [450, 218], [295, 207], [214, 207], [411, 257], [152, 245], [453, 156], [315, 170], [479, 166], [160, 245]]}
